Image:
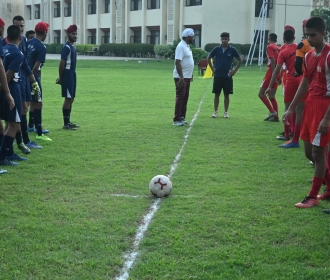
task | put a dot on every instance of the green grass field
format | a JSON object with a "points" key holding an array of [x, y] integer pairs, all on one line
{"points": [[72, 211]]}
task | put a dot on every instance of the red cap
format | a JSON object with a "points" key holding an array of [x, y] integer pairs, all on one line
{"points": [[304, 24], [289, 27], [2, 23], [41, 27], [72, 28]]}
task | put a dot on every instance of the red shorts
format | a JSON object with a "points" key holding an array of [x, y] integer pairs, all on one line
{"points": [[315, 109], [266, 80], [290, 88], [283, 78]]}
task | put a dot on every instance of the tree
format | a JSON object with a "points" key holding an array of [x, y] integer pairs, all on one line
{"points": [[324, 13]]}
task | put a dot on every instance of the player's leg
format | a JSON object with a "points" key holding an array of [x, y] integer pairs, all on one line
{"points": [[24, 133], [217, 88], [31, 121], [185, 101], [264, 85], [326, 194], [228, 90], [273, 101], [66, 109], [286, 135], [7, 143]]}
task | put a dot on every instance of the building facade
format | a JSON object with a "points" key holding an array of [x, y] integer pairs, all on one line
{"points": [[9, 9], [162, 21]]}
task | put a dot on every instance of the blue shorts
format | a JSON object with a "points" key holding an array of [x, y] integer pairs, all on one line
{"points": [[15, 114], [25, 89], [68, 83], [39, 84]]}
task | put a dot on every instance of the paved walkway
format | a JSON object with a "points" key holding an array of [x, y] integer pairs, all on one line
{"points": [[95, 57]]}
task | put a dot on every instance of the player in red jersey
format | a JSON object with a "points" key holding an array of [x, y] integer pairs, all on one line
{"points": [[288, 57], [270, 102], [302, 48], [316, 118]]}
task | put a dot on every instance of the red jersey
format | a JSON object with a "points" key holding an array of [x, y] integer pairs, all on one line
{"points": [[272, 52], [288, 56], [318, 72]]}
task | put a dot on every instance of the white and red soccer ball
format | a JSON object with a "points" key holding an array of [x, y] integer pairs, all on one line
{"points": [[160, 186]]}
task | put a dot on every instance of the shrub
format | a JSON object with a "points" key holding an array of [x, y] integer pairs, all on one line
{"points": [[127, 50], [54, 48], [163, 50], [198, 54]]}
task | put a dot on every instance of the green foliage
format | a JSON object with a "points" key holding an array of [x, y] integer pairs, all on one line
{"points": [[242, 49], [127, 50], [323, 12], [164, 50], [198, 54], [54, 48], [85, 48]]}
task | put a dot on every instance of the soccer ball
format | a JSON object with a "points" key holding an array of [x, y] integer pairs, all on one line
{"points": [[160, 186]]}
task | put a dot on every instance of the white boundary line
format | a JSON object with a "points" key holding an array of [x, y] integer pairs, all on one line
{"points": [[131, 256]]}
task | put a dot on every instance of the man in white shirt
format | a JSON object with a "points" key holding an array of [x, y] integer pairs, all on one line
{"points": [[183, 75]]}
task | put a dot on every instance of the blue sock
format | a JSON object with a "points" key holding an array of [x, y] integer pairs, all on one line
{"points": [[37, 121]]}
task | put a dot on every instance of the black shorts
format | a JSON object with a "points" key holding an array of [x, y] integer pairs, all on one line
{"points": [[225, 84], [68, 83]]}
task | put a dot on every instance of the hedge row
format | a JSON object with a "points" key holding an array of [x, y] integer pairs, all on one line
{"points": [[127, 50], [242, 49], [81, 48]]}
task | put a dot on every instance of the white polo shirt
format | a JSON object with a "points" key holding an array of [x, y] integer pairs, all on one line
{"points": [[184, 53]]}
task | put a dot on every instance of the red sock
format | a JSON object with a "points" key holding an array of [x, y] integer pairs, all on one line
{"points": [[286, 130], [293, 122], [327, 179], [328, 160], [296, 134], [316, 186], [275, 105], [265, 100]]}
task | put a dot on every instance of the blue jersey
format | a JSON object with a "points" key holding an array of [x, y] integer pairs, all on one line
{"points": [[36, 53], [69, 54], [224, 60], [1, 49], [14, 60]]}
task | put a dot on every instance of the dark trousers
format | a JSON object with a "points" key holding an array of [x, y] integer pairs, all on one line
{"points": [[181, 100]]}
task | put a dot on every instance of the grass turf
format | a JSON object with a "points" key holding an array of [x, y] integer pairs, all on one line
{"points": [[231, 213]]}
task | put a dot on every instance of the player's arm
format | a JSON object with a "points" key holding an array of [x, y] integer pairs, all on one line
{"points": [[239, 63], [275, 73], [298, 65], [325, 123], [301, 92], [178, 67], [60, 71], [3, 79], [36, 67], [6, 77], [209, 62], [272, 64]]}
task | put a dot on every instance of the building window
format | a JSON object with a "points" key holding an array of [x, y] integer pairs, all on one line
{"points": [[67, 10], [193, 3], [37, 14], [154, 37], [57, 40], [107, 6], [258, 7], [198, 38], [136, 5], [153, 4], [28, 11], [92, 7], [92, 37], [106, 38], [57, 10], [136, 38]]}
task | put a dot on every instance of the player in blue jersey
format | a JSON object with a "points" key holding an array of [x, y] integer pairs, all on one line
{"points": [[36, 59], [67, 76], [223, 71], [14, 61], [24, 144], [30, 34], [3, 83]]}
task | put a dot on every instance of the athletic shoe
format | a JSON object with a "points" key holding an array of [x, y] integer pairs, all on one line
{"points": [[290, 145], [8, 162], [271, 115], [16, 157], [225, 115], [308, 202], [311, 163], [23, 148], [327, 211], [215, 114], [69, 127], [2, 171], [31, 129], [325, 195], [178, 123], [184, 120], [44, 131], [283, 138], [33, 145], [274, 120], [73, 125], [43, 137]]}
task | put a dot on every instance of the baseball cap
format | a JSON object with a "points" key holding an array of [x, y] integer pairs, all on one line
{"points": [[41, 27]]}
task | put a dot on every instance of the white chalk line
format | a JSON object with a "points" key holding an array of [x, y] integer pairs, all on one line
{"points": [[131, 256]]}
